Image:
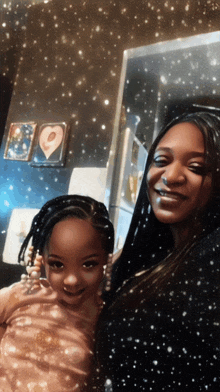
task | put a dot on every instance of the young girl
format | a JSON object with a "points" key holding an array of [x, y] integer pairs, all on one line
{"points": [[161, 329], [48, 324]]}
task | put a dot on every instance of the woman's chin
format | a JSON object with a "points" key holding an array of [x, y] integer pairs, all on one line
{"points": [[168, 217]]}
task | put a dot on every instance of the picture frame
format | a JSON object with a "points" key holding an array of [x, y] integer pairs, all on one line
{"points": [[50, 145], [20, 141]]}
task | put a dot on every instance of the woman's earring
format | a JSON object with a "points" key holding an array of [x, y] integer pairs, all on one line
{"points": [[31, 281], [108, 272]]}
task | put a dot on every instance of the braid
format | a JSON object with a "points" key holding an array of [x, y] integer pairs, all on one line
{"points": [[61, 208]]}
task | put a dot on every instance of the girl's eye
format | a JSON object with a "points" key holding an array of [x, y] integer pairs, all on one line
{"points": [[55, 265], [90, 264], [198, 168]]}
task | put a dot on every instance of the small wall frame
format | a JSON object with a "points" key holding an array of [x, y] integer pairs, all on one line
{"points": [[20, 141], [50, 145]]}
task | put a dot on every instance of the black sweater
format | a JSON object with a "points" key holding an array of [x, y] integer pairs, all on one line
{"points": [[170, 340]]}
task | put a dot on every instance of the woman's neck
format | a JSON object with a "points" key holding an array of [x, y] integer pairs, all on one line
{"points": [[180, 232], [183, 231]]}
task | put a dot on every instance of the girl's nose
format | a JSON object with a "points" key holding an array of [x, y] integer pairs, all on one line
{"points": [[174, 174], [71, 279]]}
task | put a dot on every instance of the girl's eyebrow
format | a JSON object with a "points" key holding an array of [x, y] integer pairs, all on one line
{"points": [[90, 256], [52, 255], [55, 256]]}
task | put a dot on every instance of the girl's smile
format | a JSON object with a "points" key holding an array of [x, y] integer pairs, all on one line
{"points": [[73, 294]]}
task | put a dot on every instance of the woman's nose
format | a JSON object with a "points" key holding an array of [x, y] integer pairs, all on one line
{"points": [[174, 174]]}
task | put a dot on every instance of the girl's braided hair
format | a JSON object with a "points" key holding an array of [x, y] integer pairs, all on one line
{"points": [[64, 207]]}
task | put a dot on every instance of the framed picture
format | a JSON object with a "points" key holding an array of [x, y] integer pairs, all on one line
{"points": [[51, 145], [20, 141]]}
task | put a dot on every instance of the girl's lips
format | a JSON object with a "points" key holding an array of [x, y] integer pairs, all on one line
{"points": [[76, 294]]}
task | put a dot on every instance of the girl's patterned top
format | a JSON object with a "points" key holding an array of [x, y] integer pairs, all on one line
{"points": [[45, 346]]}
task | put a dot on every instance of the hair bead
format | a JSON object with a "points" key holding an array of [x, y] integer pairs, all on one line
{"points": [[108, 272], [31, 280]]}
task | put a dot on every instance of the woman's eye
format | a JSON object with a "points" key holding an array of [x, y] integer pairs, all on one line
{"points": [[55, 265], [160, 161], [198, 169], [90, 264]]}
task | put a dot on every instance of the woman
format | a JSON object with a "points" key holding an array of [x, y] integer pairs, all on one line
{"points": [[160, 330]]}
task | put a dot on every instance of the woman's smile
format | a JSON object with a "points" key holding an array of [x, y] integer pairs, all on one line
{"points": [[177, 187], [166, 195]]}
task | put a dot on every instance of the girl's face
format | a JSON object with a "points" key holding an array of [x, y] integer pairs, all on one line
{"points": [[74, 260], [177, 181]]}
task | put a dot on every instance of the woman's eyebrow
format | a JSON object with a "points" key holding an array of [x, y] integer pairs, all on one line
{"points": [[197, 154], [163, 149], [191, 153]]}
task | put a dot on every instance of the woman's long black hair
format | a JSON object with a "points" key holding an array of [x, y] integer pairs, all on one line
{"points": [[149, 241], [64, 207]]}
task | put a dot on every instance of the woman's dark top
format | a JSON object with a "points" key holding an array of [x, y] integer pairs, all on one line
{"points": [[160, 329], [165, 338]]}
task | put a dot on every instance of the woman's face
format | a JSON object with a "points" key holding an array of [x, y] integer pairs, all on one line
{"points": [[177, 180]]}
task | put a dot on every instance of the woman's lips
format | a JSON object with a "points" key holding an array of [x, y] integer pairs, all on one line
{"points": [[167, 195]]}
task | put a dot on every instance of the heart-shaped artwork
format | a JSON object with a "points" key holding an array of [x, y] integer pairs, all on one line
{"points": [[50, 139]]}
